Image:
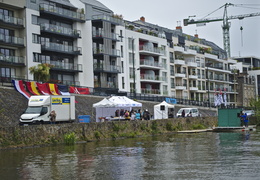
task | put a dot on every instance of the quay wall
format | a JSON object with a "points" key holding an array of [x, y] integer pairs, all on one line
{"points": [[49, 134]]}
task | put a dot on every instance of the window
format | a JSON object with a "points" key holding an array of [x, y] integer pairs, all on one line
{"points": [[123, 82], [122, 66], [122, 52], [33, 1], [34, 20], [36, 38]]}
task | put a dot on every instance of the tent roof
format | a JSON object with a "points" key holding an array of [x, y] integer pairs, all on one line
{"points": [[104, 103], [124, 101], [165, 104]]}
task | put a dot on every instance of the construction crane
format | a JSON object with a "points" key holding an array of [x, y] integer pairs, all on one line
{"points": [[226, 24]]}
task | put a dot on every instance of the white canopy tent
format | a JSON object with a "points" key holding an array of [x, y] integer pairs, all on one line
{"points": [[161, 110], [107, 107]]}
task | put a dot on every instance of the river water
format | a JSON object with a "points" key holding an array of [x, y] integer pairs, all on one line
{"points": [[177, 156]]}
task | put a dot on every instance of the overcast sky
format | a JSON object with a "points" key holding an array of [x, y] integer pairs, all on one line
{"points": [[170, 13]]}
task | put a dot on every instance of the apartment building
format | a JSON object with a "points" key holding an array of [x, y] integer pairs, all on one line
{"points": [[88, 45], [13, 54]]}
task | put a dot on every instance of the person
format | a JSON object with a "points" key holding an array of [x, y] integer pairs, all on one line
{"points": [[117, 113], [132, 114], [189, 115], [127, 115], [146, 115], [138, 115], [52, 116], [183, 113], [245, 119]]}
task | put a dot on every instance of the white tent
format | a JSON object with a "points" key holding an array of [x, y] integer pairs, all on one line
{"points": [[162, 114], [107, 107], [104, 103], [123, 101]]}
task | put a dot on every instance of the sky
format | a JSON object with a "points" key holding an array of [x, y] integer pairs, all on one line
{"points": [[170, 13]]}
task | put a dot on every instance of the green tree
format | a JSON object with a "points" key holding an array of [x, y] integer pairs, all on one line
{"points": [[41, 72]]}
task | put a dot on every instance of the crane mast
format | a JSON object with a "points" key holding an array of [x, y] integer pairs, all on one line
{"points": [[226, 24]]}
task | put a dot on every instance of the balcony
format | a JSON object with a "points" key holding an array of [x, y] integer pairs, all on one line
{"points": [[151, 50], [110, 52], [108, 84], [116, 21], [194, 88], [181, 75], [14, 60], [11, 21], [193, 76], [210, 56], [179, 49], [150, 91], [192, 64], [59, 30], [11, 40], [57, 65], [150, 64], [149, 77], [106, 68], [180, 87], [55, 47], [101, 34], [179, 62], [61, 12]]}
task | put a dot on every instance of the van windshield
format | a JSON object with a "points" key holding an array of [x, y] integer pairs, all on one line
{"points": [[33, 110], [185, 110]]}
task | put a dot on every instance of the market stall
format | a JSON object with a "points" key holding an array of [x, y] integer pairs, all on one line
{"points": [[105, 109], [162, 110]]}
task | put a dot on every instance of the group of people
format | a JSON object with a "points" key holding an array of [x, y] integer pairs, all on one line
{"points": [[133, 114]]}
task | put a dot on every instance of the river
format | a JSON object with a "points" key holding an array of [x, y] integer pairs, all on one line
{"points": [[199, 156]]}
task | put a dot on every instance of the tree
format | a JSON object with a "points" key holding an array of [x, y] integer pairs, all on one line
{"points": [[41, 72]]}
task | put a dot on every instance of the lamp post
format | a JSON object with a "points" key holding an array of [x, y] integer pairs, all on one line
{"points": [[133, 56], [207, 76]]}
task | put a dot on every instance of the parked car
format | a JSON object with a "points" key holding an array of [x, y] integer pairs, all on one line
{"points": [[249, 112], [193, 111]]}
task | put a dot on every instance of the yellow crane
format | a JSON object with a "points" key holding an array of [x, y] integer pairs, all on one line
{"points": [[226, 24]]}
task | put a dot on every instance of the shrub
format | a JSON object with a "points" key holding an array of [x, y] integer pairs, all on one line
{"points": [[70, 138]]}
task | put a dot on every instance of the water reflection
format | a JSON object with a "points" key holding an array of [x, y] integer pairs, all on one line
{"points": [[176, 156]]}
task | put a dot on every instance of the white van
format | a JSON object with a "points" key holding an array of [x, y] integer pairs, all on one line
{"points": [[194, 112]]}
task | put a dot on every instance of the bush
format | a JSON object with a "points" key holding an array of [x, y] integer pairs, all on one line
{"points": [[70, 138]]}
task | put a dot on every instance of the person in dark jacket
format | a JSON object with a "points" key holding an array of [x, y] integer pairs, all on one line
{"points": [[183, 113]]}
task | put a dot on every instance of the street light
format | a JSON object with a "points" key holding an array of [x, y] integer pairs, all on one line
{"points": [[207, 76], [133, 67]]}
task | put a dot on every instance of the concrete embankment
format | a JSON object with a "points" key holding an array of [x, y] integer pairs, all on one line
{"points": [[48, 134]]}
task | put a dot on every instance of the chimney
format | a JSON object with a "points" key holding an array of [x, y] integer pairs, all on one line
{"points": [[179, 28], [142, 19]]}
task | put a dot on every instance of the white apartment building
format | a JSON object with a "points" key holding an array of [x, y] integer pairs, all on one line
{"points": [[88, 45]]}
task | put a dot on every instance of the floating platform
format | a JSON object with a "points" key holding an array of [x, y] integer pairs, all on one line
{"points": [[231, 129], [196, 131]]}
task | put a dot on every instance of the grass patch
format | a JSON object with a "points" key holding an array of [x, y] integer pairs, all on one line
{"points": [[198, 126], [70, 138], [97, 134]]}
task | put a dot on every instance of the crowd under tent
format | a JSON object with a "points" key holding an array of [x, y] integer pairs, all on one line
{"points": [[106, 108], [162, 110]]}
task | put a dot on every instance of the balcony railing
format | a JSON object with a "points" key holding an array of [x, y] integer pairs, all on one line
{"points": [[150, 91], [65, 66], [11, 20], [106, 68], [108, 84], [60, 30], [111, 52], [65, 13], [12, 40], [61, 48], [108, 18], [12, 59], [150, 63], [151, 77], [101, 34], [152, 49]]}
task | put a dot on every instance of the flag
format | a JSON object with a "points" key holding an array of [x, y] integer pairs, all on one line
{"points": [[225, 98]]}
